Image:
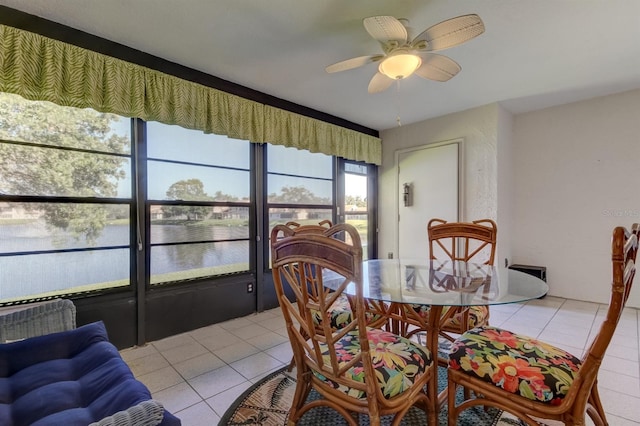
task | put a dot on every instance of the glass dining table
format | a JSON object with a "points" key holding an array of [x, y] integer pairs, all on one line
{"points": [[439, 284]]}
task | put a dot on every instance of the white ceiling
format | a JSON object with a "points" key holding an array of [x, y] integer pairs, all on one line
{"points": [[533, 54]]}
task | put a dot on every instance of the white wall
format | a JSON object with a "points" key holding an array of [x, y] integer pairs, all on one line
{"points": [[576, 175], [504, 217], [479, 130]]}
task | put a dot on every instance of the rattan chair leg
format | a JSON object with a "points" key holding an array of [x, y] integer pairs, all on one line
{"points": [[595, 410]]}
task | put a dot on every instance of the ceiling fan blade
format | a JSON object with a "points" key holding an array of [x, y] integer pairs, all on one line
{"points": [[379, 83], [385, 29], [437, 67], [353, 63], [449, 33]]}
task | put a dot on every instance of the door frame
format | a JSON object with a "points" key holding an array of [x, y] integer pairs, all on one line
{"points": [[461, 174]]}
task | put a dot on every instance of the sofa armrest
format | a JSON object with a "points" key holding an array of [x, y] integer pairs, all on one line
{"points": [[36, 320], [146, 413]]}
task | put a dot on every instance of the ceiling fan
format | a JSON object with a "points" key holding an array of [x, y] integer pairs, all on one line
{"points": [[402, 57]]}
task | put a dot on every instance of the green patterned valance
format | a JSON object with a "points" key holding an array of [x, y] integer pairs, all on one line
{"points": [[286, 128], [40, 68]]}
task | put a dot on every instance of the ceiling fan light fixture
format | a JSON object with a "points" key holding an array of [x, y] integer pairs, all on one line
{"points": [[400, 65]]}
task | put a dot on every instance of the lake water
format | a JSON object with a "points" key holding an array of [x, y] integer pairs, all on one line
{"points": [[41, 273]]}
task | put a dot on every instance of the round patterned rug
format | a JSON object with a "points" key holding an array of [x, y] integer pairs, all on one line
{"points": [[267, 403]]}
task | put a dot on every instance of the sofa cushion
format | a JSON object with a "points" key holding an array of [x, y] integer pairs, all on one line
{"points": [[74, 377]]}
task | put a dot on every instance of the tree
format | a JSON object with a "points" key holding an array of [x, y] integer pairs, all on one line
{"points": [[297, 195], [31, 170], [221, 196], [357, 201], [188, 190]]}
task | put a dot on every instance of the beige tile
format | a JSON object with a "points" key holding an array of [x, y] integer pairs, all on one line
{"points": [[263, 347], [137, 352], [283, 352], [235, 352], [627, 330], [216, 381], [620, 421], [499, 319], [581, 331], [219, 341], [549, 301], [616, 351], [624, 341], [569, 318], [267, 340], [578, 305], [173, 341], [265, 374], [617, 382], [222, 401], [539, 313], [252, 330], [208, 331], [264, 316], [184, 352], [274, 323], [147, 364], [177, 397], [161, 379], [510, 308], [559, 337], [196, 366], [523, 328], [198, 415], [255, 365], [622, 366], [621, 405], [282, 331], [235, 323]]}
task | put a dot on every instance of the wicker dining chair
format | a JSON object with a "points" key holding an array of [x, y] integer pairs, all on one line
{"points": [[341, 310], [533, 379], [470, 242], [355, 369]]}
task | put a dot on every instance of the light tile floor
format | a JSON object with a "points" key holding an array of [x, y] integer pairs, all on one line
{"points": [[198, 374]]}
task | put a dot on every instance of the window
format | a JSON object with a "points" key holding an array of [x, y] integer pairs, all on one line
{"points": [[299, 186], [65, 199], [356, 208], [199, 198], [69, 201]]}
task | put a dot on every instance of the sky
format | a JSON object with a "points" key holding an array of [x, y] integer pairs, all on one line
{"points": [[178, 144]]}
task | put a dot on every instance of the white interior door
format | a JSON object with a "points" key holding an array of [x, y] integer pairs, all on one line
{"points": [[433, 175]]}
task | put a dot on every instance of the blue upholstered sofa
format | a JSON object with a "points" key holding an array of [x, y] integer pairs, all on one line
{"points": [[62, 375]]}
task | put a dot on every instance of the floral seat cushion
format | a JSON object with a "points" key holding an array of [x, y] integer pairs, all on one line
{"points": [[340, 314], [398, 362], [477, 315], [518, 364]]}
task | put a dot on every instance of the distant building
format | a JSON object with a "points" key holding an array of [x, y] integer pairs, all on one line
{"points": [[17, 211]]}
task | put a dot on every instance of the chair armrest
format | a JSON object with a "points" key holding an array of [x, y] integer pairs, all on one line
{"points": [[146, 413], [37, 320]]}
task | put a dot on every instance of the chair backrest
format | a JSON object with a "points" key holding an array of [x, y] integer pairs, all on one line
{"points": [[310, 228], [624, 248], [465, 241], [302, 262], [297, 229]]}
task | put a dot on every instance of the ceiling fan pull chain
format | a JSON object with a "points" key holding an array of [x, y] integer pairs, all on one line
{"points": [[398, 103]]}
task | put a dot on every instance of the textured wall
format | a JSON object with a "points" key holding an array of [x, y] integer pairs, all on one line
{"points": [[478, 129], [576, 174]]}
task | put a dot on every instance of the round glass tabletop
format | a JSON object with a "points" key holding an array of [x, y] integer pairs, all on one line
{"points": [[444, 283]]}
